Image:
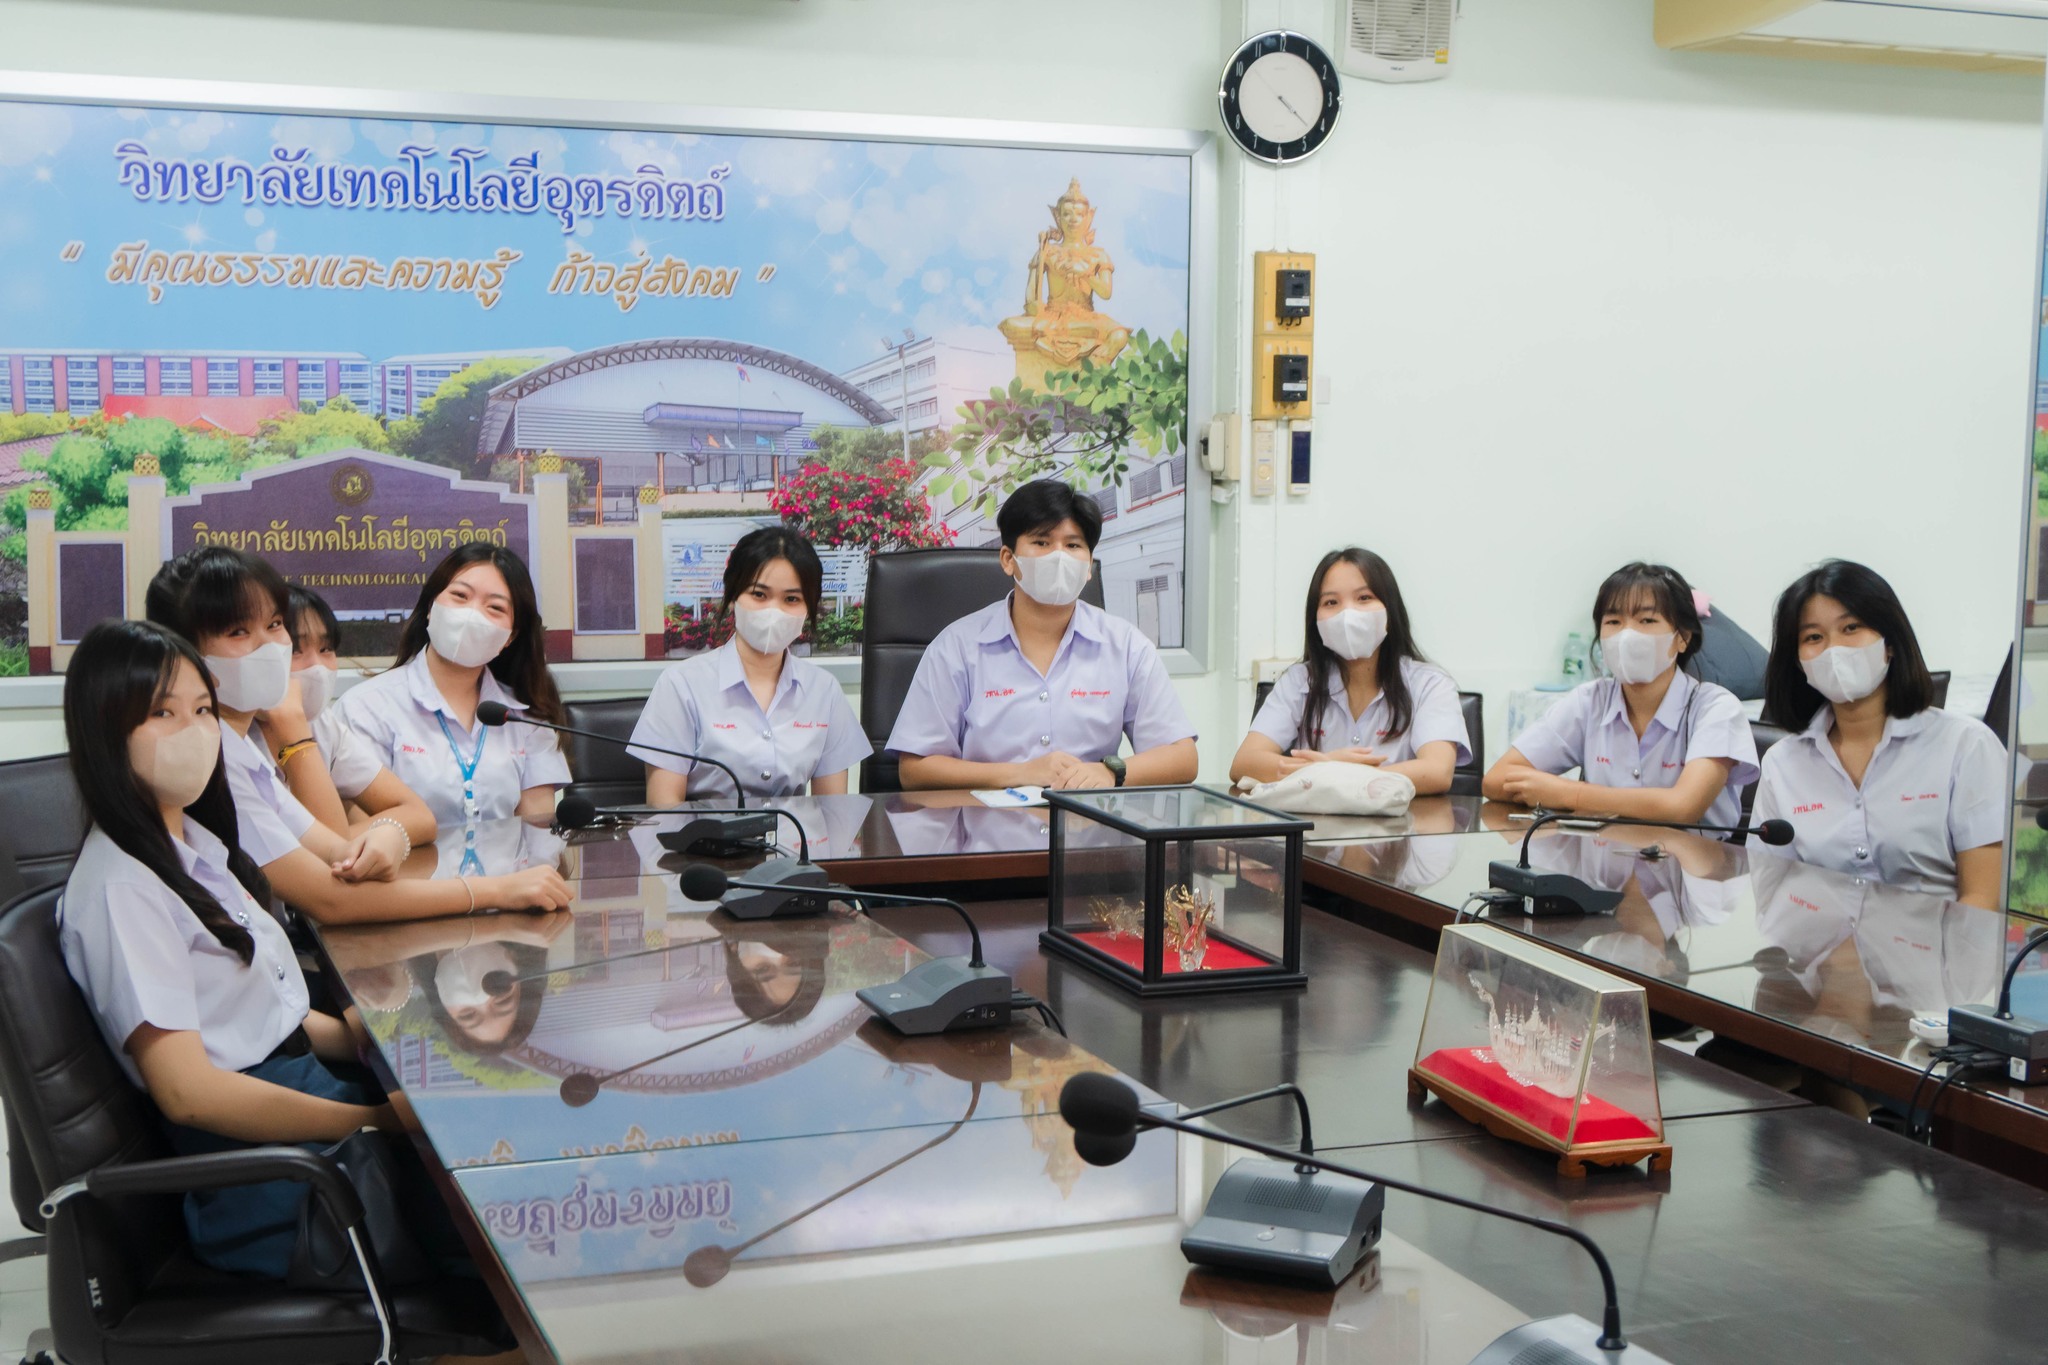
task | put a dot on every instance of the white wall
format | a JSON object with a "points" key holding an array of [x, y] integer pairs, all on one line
{"points": [[1583, 302]]}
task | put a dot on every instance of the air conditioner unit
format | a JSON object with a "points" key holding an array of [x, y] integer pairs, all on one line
{"points": [[1397, 40], [1961, 35]]}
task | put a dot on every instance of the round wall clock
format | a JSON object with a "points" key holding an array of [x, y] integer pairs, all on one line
{"points": [[1279, 97]]}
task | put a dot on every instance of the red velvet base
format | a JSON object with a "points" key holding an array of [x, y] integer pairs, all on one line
{"points": [[1221, 957], [1473, 1070]]}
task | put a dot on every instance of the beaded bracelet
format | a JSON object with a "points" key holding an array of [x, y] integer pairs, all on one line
{"points": [[387, 820]]}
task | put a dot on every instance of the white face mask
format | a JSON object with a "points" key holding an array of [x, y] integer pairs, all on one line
{"points": [[1846, 673], [464, 636], [316, 688], [255, 682], [1053, 579], [768, 629], [459, 977], [1635, 656], [176, 767], [1355, 632]]}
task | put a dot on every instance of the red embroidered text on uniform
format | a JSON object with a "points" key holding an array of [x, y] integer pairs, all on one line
{"points": [[1000, 692]]}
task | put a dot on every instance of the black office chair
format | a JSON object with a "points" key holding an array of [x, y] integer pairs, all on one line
{"points": [[605, 774], [1465, 780], [42, 823], [912, 596], [1730, 656], [123, 1287], [1765, 734], [1998, 711], [1940, 680]]}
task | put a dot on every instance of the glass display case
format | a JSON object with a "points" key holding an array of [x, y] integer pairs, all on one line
{"points": [[1175, 890], [1541, 1049]]}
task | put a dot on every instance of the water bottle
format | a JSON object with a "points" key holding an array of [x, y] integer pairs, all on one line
{"points": [[1575, 658]]}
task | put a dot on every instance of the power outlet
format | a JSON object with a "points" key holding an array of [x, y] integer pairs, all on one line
{"points": [[1265, 457]]}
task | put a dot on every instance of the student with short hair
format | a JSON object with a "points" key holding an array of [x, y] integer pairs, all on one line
{"points": [[1041, 689], [1650, 741], [781, 722], [1876, 780]]}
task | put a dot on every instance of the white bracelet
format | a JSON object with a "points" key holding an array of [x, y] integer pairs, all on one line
{"points": [[387, 820], [472, 894]]}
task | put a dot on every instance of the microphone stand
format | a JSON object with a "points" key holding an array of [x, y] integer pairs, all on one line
{"points": [[1560, 893]]}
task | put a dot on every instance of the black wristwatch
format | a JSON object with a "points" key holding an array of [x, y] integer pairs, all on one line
{"points": [[1116, 768]]}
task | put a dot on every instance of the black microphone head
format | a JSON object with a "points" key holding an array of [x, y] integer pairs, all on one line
{"points": [[497, 983], [574, 811], [706, 1266], [1104, 1149], [1777, 833], [2041, 817], [1099, 1105], [703, 882], [579, 1088], [492, 712]]}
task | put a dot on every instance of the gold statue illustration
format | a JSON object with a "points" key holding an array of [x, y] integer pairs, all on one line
{"points": [[1059, 327]]}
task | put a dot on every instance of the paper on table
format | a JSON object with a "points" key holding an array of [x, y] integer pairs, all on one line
{"points": [[1004, 798]]}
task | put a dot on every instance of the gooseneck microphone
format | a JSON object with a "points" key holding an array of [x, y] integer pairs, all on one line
{"points": [[938, 996], [1560, 893], [780, 889], [1108, 1111]]}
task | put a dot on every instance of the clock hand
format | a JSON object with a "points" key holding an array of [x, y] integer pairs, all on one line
{"points": [[1267, 81]]}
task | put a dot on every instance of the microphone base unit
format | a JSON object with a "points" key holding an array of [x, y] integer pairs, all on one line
{"points": [[801, 889], [1266, 1218], [1565, 1340], [944, 995], [2023, 1042], [1550, 893], [722, 836]]}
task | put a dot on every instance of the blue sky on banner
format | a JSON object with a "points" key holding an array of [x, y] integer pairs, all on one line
{"points": [[865, 238]]}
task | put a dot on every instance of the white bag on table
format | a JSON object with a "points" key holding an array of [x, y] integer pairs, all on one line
{"points": [[1333, 788]]}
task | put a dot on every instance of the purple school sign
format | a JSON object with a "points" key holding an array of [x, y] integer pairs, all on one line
{"points": [[362, 529]]}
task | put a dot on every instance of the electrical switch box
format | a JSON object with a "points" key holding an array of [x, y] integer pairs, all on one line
{"points": [[1291, 299], [1290, 378], [1283, 333]]}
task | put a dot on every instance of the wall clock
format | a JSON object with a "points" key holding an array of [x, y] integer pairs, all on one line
{"points": [[1279, 97]]}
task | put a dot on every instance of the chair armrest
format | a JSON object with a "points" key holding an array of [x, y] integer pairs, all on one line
{"points": [[213, 1170]]}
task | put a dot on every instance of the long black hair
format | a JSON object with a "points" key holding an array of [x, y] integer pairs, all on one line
{"points": [[117, 674], [758, 549], [213, 589], [1320, 659], [1789, 699], [1667, 590], [522, 665], [303, 599]]}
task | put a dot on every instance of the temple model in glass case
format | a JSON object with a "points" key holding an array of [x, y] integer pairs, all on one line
{"points": [[1175, 890], [1541, 1049]]}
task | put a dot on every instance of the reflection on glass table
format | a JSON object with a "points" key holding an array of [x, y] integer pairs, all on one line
{"points": [[643, 1022]]}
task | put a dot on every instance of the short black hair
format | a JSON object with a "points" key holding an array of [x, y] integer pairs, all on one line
{"points": [[1043, 504], [213, 589], [1790, 701], [1664, 586], [303, 600], [758, 549]]}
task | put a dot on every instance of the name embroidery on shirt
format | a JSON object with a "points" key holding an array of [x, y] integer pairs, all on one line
{"points": [[1673, 765], [807, 725], [1603, 758], [1803, 903], [724, 725], [1000, 692], [1809, 808], [1086, 692], [411, 748], [1379, 734], [1923, 796]]}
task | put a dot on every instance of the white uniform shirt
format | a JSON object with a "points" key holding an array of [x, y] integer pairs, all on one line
{"points": [[400, 713], [1434, 714], [1589, 730], [269, 820], [977, 697], [704, 706], [350, 761], [1935, 785], [142, 957]]}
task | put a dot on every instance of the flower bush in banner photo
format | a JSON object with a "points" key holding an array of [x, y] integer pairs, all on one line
{"points": [[841, 508], [683, 633], [1081, 431]]}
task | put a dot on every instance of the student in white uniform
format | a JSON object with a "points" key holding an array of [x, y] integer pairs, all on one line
{"points": [[1379, 702], [357, 776], [1650, 741], [474, 636], [1877, 781], [191, 980], [1041, 688], [778, 721], [232, 608]]}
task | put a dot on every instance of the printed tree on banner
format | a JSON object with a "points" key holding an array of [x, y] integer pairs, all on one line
{"points": [[1082, 431], [885, 510]]}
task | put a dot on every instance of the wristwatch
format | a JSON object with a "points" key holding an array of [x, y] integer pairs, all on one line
{"points": [[1116, 768]]}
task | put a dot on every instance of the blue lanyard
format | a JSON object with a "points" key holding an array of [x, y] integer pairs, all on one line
{"points": [[470, 861]]}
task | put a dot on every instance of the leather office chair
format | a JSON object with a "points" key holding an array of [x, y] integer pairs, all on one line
{"points": [[1941, 679], [1765, 734], [912, 596], [1465, 780], [122, 1285], [42, 823], [605, 774]]}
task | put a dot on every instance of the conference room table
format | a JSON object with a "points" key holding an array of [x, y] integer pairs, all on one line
{"points": [[671, 1135]]}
